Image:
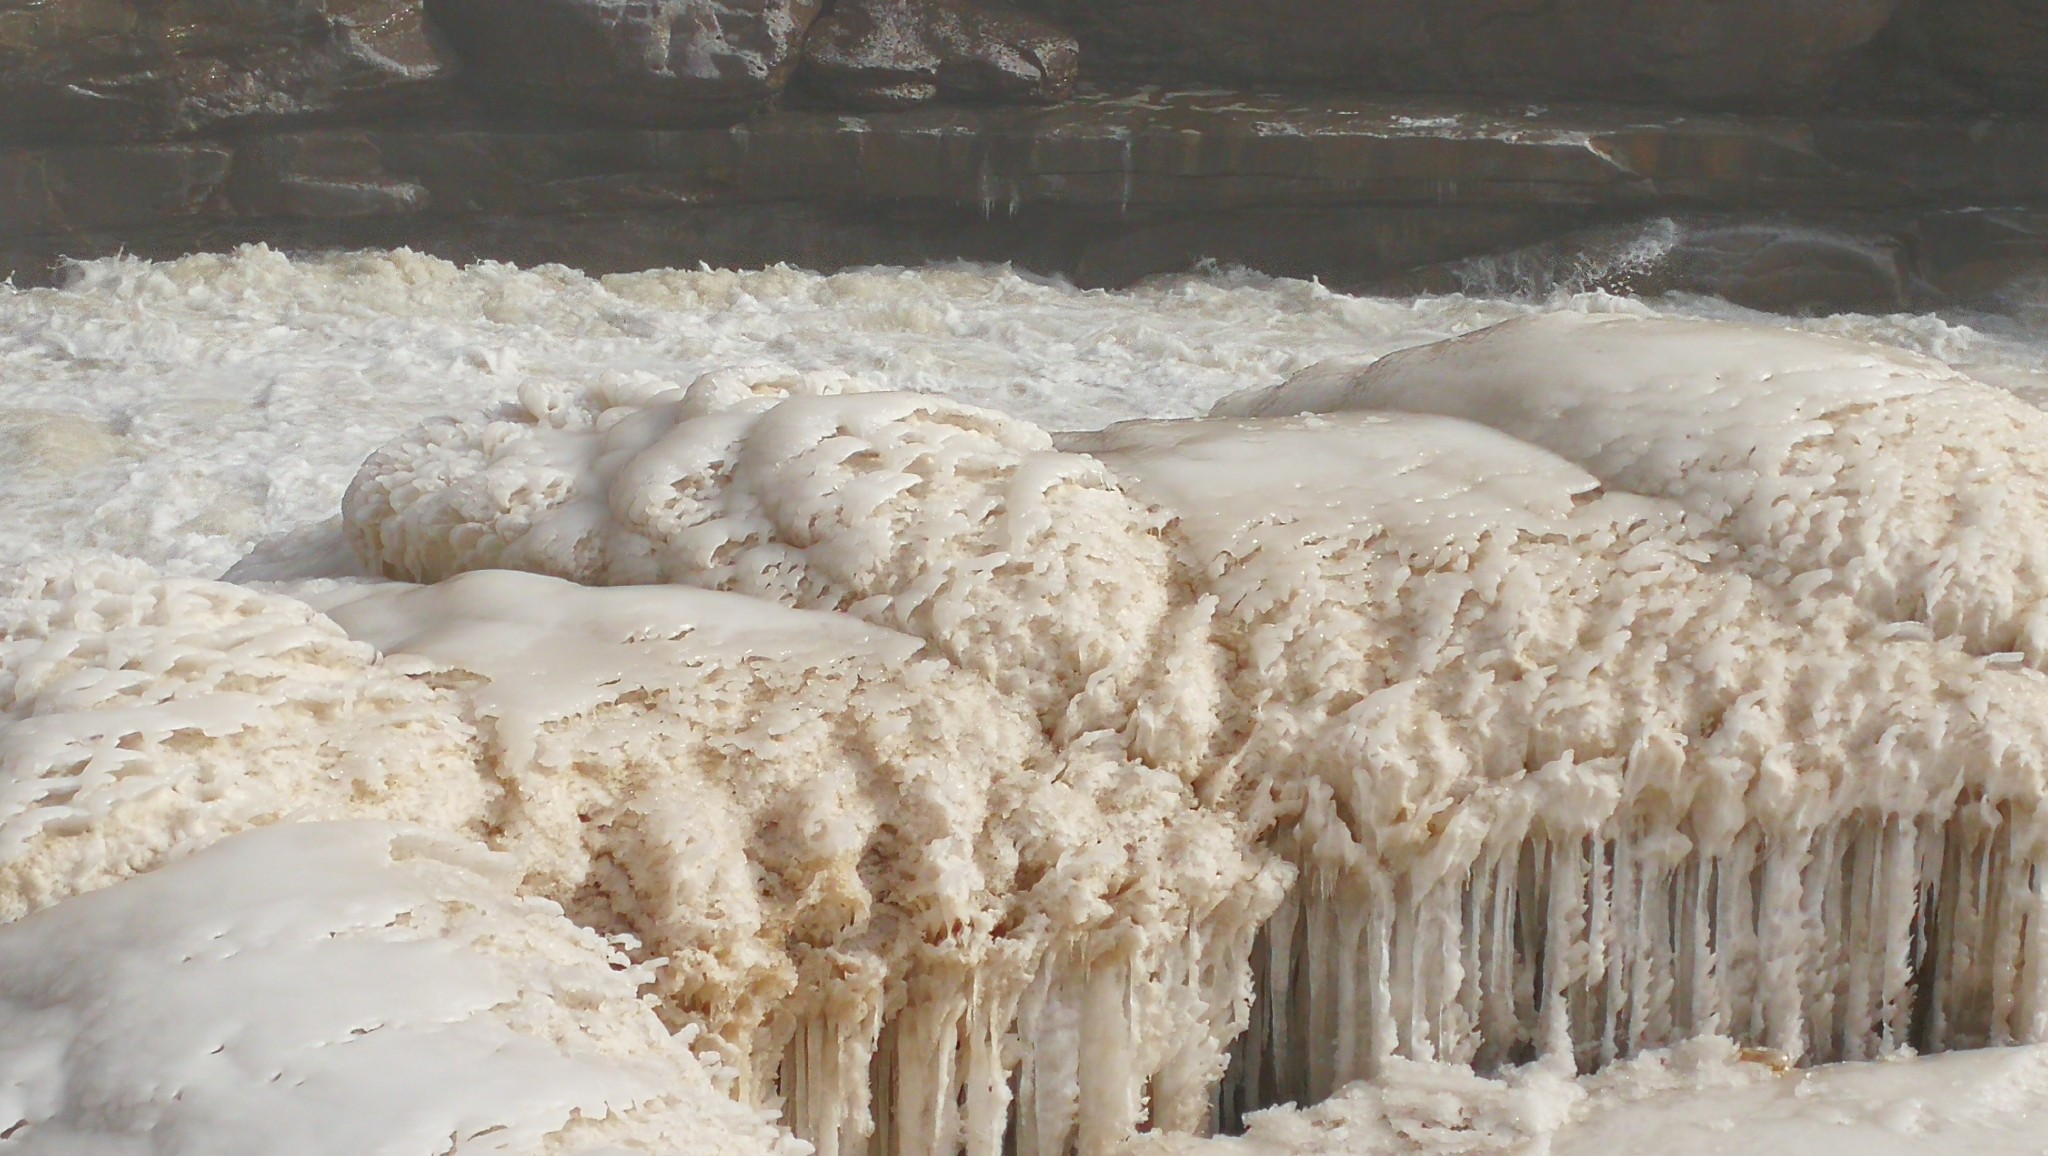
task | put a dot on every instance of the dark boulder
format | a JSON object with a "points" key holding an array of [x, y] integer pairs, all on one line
{"points": [[1720, 52], [895, 53], [1785, 269], [1998, 47], [652, 62], [1988, 254], [142, 69]]}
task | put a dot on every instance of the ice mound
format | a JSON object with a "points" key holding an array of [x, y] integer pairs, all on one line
{"points": [[1559, 784], [142, 715], [851, 860], [951, 523], [1830, 465], [945, 774], [341, 988]]}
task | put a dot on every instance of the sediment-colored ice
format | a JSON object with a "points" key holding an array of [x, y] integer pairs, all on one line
{"points": [[952, 523], [142, 716], [942, 778], [856, 860], [1830, 466], [1560, 779], [1559, 783]]}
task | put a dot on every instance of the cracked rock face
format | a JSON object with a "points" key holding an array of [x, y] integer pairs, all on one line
{"points": [[640, 61], [135, 69], [895, 53], [1717, 51]]}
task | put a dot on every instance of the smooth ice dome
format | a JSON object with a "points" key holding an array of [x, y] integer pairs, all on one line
{"points": [[345, 989]]}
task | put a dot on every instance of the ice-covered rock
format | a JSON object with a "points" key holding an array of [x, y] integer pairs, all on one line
{"points": [[1498, 715], [842, 857], [943, 773]]}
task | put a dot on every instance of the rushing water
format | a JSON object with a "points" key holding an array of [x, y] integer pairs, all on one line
{"points": [[182, 411]]}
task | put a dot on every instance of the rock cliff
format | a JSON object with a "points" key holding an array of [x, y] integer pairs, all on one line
{"points": [[1083, 138]]}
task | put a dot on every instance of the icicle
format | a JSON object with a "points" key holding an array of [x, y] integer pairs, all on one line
{"points": [[1111, 1083], [1862, 936]]}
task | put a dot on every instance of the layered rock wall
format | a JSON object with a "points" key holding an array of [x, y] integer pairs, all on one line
{"points": [[136, 69], [611, 135], [1106, 188], [1716, 51]]}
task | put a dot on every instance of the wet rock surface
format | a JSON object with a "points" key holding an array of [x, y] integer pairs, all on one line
{"points": [[141, 69], [70, 190], [647, 62], [1799, 213], [1723, 52], [1999, 47], [1984, 252], [1776, 266], [1783, 269], [880, 54]]}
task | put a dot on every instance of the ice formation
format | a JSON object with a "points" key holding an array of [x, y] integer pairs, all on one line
{"points": [[856, 861], [842, 858], [340, 989], [949, 522], [951, 786], [143, 716], [1830, 465], [1557, 778], [1559, 784]]}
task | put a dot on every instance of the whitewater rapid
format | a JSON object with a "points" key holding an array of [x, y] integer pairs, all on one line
{"points": [[180, 412]]}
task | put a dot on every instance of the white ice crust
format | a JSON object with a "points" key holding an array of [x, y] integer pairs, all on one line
{"points": [[1235, 483], [551, 650], [353, 989], [1706, 1097]]}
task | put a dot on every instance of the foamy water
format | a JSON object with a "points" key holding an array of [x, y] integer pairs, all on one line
{"points": [[182, 411]]}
